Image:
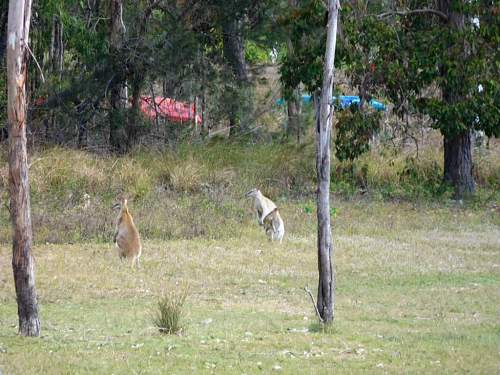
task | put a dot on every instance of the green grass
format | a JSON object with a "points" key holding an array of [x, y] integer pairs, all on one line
{"points": [[418, 274], [418, 292]]}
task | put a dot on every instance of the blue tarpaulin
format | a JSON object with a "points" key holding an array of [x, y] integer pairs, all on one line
{"points": [[345, 101]]}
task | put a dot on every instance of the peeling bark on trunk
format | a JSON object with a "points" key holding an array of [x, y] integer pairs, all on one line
{"points": [[22, 259], [118, 92], [324, 119]]}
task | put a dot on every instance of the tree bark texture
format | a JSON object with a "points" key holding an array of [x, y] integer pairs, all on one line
{"points": [[56, 51], [234, 49], [458, 163], [324, 119], [118, 92], [457, 147], [135, 113], [22, 259]]}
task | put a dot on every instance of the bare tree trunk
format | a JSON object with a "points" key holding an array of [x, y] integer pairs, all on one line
{"points": [[22, 259], [82, 134], [293, 111], [135, 112], [118, 92], [293, 104], [234, 49], [458, 163], [203, 113], [56, 50], [324, 119]]}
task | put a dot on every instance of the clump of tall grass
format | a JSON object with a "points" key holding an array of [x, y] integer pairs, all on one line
{"points": [[130, 177], [169, 313], [185, 176]]}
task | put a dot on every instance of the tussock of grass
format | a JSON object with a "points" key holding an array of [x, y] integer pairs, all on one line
{"points": [[170, 312], [185, 177]]}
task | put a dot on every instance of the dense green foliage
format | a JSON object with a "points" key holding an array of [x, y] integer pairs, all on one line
{"points": [[354, 131], [428, 71], [436, 60], [403, 57]]}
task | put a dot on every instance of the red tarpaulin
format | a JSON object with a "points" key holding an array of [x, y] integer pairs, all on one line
{"points": [[169, 109]]}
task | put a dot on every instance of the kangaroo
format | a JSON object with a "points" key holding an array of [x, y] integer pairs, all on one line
{"points": [[267, 215], [126, 236], [274, 226]]}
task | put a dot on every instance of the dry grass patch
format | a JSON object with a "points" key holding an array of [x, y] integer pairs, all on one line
{"points": [[417, 293]]}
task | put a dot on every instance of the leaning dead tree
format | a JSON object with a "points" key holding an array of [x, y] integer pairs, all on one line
{"points": [[324, 119], [22, 259]]}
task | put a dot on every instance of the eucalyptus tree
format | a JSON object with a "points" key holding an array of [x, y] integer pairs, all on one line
{"points": [[20, 211], [434, 58], [324, 120], [440, 59]]}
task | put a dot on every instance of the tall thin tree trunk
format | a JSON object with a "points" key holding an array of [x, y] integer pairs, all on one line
{"points": [[234, 53], [82, 126], [293, 111], [293, 104], [118, 92], [82, 134], [134, 118], [324, 119], [22, 259], [56, 50], [203, 113]]}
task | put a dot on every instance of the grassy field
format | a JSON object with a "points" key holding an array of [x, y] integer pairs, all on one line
{"points": [[418, 292]]}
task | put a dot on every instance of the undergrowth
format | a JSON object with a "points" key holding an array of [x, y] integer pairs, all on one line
{"points": [[198, 191]]}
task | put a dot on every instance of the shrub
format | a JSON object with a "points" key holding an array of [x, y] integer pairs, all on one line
{"points": [[169, 313]]}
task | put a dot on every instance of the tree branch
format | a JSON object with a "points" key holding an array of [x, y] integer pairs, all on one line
{"points": [[36, 62], [435, 12], [314, 304]]}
